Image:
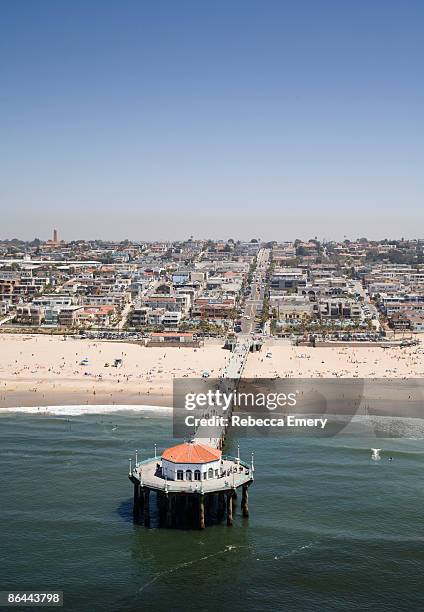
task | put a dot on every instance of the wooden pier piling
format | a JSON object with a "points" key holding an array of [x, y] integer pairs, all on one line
{"points": [[230, 509], [169, 503], [136, 502], [201, 511], [245, 501], [146, 507]]}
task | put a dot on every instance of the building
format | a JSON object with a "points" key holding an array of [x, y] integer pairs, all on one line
{"points": [[162, 301], [191, 461], [139, 316], [416, 322], [288, 278], [155, 316], [407, 321], [171, 318], [69, 315], [213, 308], [169, 338], [291, 309], [28, 314], [55, 300], [97, 315], [340, 309]]}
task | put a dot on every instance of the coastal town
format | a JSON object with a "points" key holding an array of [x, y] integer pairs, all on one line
{"points": [[187, 290], [99, 322]]}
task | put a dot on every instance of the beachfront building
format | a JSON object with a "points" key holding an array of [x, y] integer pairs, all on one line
{"points": [[174, 338], [214, 307], [28, 314], [191, 461], [171, 319], [290, 307], [340, 309], [69, 316]]}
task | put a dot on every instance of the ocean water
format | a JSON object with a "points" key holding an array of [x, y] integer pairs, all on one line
{"points": [[329, 529]]}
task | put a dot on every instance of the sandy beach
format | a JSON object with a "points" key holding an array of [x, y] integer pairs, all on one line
{"points": [[38, 370], [286, 360]]}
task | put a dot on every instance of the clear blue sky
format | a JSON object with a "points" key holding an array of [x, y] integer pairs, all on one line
{"points": [[230, 118]]}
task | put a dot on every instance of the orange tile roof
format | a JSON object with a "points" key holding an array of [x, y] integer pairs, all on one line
{"points": [[190, 452]]}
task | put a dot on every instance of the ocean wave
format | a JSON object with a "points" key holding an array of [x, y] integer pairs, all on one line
{"points": [[79, 410]]}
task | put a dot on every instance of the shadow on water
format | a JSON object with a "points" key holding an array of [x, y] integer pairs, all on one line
{"points": [[125, 510]]}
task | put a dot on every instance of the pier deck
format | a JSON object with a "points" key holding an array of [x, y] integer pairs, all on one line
{"points": [[231, 375], [235, 474]]}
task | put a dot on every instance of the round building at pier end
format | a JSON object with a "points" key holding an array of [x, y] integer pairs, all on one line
{"points": [[191, 461]]}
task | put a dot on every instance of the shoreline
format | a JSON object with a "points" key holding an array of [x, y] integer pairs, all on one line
{"points": [[90, 409], [49, 371], [75, 397], [44, 370]]}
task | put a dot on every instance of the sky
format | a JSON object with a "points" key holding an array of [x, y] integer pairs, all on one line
{"points": [[232, 118]]}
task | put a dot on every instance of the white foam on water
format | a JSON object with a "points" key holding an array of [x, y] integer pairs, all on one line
{"points": [[79, 410], [171, 570]]}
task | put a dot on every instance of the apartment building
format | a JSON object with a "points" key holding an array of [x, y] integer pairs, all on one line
{"points": [[340, 309]]}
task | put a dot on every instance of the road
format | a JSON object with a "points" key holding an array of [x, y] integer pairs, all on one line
{"points": [[254, 302], [148, 290], [7, 319], [124, 315]]}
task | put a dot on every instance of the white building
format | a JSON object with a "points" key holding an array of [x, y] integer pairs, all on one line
{"points": [[191, 461], [171, 319]]}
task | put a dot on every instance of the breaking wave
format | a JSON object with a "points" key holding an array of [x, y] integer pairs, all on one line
{"points": [[79, 410]]}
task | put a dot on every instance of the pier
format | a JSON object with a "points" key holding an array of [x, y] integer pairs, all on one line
{"points": [[191, 503], [229, 381], [193, 482]]}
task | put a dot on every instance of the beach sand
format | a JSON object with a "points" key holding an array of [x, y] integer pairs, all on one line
{"points": [[39, 370], [341, 361]]}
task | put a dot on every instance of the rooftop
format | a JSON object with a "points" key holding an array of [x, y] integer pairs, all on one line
{"points": [[191, 452]]}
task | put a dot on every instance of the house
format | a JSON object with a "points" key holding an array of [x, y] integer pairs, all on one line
{"points": [[214, 308], [28, 314], [97, 315], [171, 318], [167, 302], [69, 315]]}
